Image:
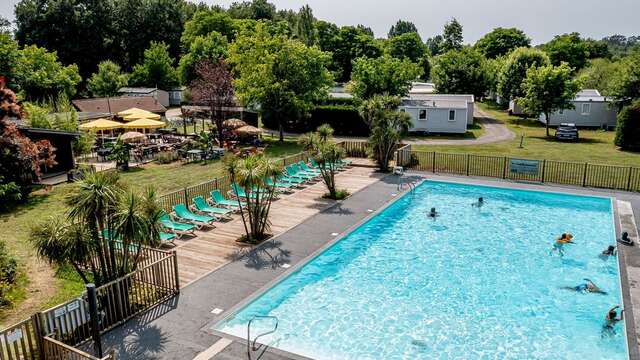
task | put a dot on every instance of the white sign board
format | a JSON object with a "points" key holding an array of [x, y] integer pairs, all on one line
{"points": [[14, 335]]}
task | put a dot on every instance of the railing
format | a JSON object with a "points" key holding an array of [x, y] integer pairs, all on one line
{"points": [[544, 171], [403, 155], [20, 341], [56, 350], [358, 149], [223, 184], [118, 300]]}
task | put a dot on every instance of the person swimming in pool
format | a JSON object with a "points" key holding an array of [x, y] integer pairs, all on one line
{"points": [[610, 321], [478, 203], [433, 214], [587, 287], [608, 252], [558, 246]]}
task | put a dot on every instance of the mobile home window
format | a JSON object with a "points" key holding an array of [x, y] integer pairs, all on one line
{"points": [[422, 115], [452, 115], [586, 109]]}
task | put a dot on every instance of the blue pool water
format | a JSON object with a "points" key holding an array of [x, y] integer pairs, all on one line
{"points": [[476, 283]]}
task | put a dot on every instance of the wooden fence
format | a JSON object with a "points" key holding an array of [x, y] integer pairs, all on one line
{"points": [[56, 350], [155, 281], [543, 171], [358, 149], [223, 184]]}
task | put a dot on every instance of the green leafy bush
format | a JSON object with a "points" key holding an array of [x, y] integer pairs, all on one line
{"points": [[9, 194], [628, 129]]}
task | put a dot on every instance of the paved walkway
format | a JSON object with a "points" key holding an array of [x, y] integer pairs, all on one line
{"points": [[181, 329], [213, 248]]}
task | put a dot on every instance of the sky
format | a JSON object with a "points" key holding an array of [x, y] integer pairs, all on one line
{"points": [[540, 19]]}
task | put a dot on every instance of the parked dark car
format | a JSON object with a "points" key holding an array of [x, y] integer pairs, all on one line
{"points": [[567, 132]]}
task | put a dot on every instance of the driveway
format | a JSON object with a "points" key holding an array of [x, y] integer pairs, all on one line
{"points": [[494, 131]]}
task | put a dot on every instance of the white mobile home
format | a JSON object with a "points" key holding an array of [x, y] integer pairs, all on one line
{"points": [[439, 113], [590, 110]]}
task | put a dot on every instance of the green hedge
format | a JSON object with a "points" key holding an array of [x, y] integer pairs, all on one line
{"points": [[628, 129], [344, 119]]}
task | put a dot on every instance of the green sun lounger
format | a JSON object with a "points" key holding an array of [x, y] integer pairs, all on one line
{"points": [[200, 204], [283, 186], [304, 167], [183, 213], [168, 238], [298, 170], [291, 180], [292, 172], [177, 227], [218, 199]]}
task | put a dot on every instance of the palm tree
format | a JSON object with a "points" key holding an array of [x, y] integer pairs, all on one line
{"points": [[321, 147], [251, 174], [103, 231], [387, 127]]}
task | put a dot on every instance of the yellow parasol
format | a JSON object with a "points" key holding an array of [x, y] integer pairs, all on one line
{"points": [[144, 124], [233, 123], [100, 124], [129, 112], [132, 136]]}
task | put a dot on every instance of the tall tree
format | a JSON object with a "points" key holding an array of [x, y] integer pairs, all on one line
{"points": [[282, 75], [625, 85], [548, 89], [461, 72], [156, 70], [600, 74], [384, 75], [213, 87], [255, 9], [205, 22], [514, 71], [204, 48], [321, 147], [501, 41], [305, 28], [350, 44], [39, 75], [569, 48], [402, 27], [5, 25], [406, 46], [452, 36], [9, 55], [107, 80], [387, 127], [81, 32]]}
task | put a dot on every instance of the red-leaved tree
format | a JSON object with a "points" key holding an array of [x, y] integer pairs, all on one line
{"points": [[20, 158], [213, 87]]}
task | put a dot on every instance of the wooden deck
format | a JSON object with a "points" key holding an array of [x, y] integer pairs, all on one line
{"points": [[215, 247]]}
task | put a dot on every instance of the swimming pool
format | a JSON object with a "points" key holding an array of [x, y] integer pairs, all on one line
{"points": [[473, 283]]}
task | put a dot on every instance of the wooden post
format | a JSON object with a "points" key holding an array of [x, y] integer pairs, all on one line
{"points": [[186, 200], [38, 331], [584, 175], [629, 178], [467, 164], [175, 269], [544, 167]]}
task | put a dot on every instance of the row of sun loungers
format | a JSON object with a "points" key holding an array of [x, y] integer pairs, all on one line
{"points": [[203, 213]]}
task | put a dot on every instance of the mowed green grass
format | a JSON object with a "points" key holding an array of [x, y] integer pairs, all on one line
{"points": [[15, 226], [594, 146]]}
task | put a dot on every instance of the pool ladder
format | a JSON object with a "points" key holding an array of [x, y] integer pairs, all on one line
{"points": [[251, 344]]}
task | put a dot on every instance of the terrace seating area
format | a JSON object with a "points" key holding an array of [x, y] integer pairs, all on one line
{"points": [[205, 232]]}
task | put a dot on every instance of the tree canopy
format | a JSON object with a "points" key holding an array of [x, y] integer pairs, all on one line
{"points": [[211, 48], [501, 41], [625, 86], [461, 72], [569, 48], [452, 36], [305, 29], [600, 74], [205, 22], [628, 128], [282, 75], [383, 75], [107, 80], [156, 69], [548, 89], [402, 27], [406, 46], [347, 45], [255, 9], [514, 71]]}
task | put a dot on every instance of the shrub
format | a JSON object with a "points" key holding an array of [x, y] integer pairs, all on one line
{"points": [[9, 194], [167, 157], [628, 129], [8, 272]]}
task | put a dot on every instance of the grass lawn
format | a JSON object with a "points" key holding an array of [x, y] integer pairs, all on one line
{"points": [[594, 146], [39, 285]]}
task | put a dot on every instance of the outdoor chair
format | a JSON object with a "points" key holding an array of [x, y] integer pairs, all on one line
{"points": [[182, 212], [200, 204]]}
